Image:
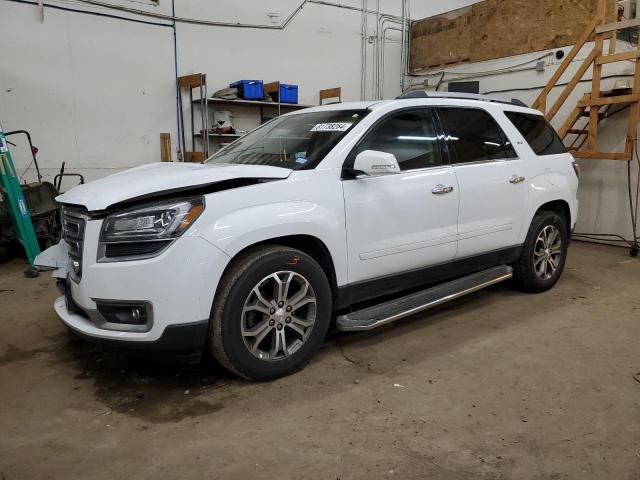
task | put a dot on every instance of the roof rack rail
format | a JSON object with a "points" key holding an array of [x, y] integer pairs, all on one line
{"points": [[460, 95]]}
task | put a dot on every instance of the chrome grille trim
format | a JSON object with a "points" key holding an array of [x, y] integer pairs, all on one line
{"points": [[73, 230]]}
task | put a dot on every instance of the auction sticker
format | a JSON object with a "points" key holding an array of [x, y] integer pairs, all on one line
{"points": [[332, 127]]}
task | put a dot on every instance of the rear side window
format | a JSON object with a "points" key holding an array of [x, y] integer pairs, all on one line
{"points": [[540, 136], [409, 135], [473, 135]]}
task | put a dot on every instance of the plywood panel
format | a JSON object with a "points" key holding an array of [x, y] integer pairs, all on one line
{"points": [[497, 29]]}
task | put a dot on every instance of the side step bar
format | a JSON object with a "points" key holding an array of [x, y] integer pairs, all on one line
{"points": [[387, 312]]}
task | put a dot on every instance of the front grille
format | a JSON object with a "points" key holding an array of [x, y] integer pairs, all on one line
{"points": [[73, 226]]}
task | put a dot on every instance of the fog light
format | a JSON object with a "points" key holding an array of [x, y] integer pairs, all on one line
{"points": [[76, 267], [131, 313]]}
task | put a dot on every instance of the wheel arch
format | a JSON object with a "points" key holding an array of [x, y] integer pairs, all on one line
{"points": [[561, 207], [309, 244]]}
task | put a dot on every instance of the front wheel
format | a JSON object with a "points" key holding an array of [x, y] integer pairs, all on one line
{"points": [[271, 313], [543, 254]]}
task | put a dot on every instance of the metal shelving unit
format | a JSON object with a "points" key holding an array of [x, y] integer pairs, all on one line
{"points": [[198, 81]]}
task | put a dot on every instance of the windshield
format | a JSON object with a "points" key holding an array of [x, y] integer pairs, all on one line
{"points": [[297, 142]]}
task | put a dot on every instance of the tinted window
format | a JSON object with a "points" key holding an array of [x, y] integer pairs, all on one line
{"points": [[298, 141], [540, 136], [473, 135], [409, 135]]}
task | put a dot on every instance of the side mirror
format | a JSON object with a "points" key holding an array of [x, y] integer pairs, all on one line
{"points": [[374, 163]]}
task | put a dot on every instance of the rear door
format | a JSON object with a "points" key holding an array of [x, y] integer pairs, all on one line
{"points": [[493, 188], [405, 221]]}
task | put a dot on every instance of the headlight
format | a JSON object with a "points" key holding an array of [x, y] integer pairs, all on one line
{"points": [[145, 232]]}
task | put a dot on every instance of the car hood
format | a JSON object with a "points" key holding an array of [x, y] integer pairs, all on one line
{"points": [[160, 179]]}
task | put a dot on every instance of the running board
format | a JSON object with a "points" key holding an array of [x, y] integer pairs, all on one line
{"points": [[387, 312]]}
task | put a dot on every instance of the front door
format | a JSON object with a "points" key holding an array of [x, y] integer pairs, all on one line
{"points": [[406, 221]]}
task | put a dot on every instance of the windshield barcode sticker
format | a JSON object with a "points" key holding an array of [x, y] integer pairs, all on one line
{"points": [[332, 127]]}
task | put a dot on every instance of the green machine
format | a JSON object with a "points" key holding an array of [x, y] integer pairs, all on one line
{"points": [[16, 202]]}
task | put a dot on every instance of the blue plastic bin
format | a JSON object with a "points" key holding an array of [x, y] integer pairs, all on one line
{"points": [[249, 89], [288, 93]]}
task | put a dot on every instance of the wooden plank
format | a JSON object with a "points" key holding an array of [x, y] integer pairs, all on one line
{"points": [[498, 29], [193, 80], [634, 112], [609, 100], [612, 43], [572, 84], [610, 27], [617, 57], [601, 155], [165, 147], [571, 119]]}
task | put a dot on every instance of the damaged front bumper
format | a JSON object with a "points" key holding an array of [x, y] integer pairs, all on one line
{"points": [[172, 292]]}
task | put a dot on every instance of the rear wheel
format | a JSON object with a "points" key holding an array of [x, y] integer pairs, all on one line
{"points": [[544, 253], [271, 313]]}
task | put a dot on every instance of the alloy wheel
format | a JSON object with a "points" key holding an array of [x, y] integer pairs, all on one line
{"points": [[547, 252], [278, 315]]}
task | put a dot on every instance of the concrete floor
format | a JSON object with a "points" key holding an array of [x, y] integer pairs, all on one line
{"points": [[499, 385]]}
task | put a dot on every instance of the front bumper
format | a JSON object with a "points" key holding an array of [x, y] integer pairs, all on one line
{"points": [[179, 285], [183, 343]]}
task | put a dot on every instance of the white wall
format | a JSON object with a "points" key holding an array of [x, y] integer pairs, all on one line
{"points": [[96, 92]]}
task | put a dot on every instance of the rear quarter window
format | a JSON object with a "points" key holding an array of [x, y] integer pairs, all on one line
{"points": [[538, 133]]}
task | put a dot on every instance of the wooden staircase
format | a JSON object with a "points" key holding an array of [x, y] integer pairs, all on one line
{"points": [[596, 105]]}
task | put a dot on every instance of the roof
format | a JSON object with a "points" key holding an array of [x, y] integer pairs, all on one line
{"points": [[438, 98], [462, 96]]}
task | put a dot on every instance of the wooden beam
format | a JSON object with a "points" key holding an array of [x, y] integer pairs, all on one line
{"points": [[602, 155], [572, 84], [617, 57], [571, 119], [609, 100], [566, 62], [610, 27]]}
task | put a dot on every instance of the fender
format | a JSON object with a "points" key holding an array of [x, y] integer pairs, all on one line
{"points": [[248, 226], [547, 187]]}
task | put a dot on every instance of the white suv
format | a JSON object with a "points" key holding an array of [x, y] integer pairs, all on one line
{"points": [[314, 216]]}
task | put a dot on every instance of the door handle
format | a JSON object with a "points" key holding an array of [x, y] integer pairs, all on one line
{"points": [[441, 190], [516, 179]]}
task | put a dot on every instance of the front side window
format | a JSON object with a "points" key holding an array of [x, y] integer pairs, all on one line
{"points": [[297, 142], [409, 135], [473, 135], [540, 136]]}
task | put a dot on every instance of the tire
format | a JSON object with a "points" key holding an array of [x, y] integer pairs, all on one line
{"points": [[233, 338], [4, 254], [528, 270]]}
